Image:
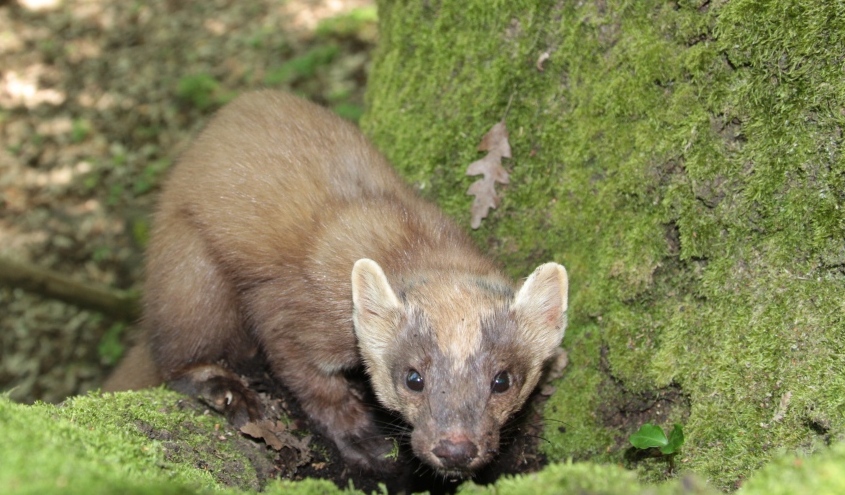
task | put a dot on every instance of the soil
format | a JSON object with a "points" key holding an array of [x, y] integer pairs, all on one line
{"points": [[519, 449], [97, 99]]}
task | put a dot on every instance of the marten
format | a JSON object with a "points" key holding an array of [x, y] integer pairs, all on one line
{"points": [[282, 233]]}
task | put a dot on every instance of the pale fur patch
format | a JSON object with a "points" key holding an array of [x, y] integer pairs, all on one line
{"points": [[453, 310], [541, 305]]}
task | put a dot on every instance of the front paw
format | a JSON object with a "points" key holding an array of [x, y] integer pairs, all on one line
{"points": [[221, 390], [373, 453]]}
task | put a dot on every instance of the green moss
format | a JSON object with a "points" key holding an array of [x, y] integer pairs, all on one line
{"points": [[584, 479], [131, 443], [820, 474], [308, 487], [574, 418], [134, 442], [683, 161]]}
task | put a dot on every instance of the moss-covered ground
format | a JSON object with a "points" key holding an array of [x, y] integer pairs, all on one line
{"points": [[140, 442], [683, 160], [148, 443]]}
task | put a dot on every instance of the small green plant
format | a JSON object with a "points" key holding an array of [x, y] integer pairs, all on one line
{"points": [[199, 90], [79, 131], [110, 348], [394, 452], [652, 437]]}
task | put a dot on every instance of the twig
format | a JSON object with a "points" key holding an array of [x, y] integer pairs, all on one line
{"points": [[112, 302]]}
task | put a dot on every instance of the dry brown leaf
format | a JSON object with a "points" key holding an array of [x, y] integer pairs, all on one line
{"points": [[267, 430], [276, 435], [496, 140], [496, 144]]}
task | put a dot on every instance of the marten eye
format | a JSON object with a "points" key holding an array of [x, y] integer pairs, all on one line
{"points": [[501, 382], [414, 381]]}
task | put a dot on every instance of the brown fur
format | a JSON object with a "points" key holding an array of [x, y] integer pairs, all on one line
{"points": [[278, 226]]}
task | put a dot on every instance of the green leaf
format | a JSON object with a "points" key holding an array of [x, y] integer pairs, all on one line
{"points": [[649, 436], [676, 439]]}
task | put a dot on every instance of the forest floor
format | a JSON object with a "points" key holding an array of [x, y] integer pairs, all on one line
{"points": [[97, 99]]}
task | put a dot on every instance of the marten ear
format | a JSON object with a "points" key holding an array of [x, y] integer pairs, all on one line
{"points": [[376, 309], [540, 306]]}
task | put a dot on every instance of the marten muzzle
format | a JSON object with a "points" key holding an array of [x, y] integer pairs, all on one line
{"points": [[455, 452]]}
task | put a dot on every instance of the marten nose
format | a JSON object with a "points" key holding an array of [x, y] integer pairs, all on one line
{"points": [[455, 451]]}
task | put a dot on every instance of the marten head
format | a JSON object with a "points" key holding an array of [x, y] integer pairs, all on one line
{"points": [[456, 356]]}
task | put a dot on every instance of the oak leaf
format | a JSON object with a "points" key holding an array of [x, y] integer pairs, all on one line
{"points": [[276, 435], [496, 144]]}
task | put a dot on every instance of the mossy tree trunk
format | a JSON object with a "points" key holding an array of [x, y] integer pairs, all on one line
{"points": [[683, 160]]}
